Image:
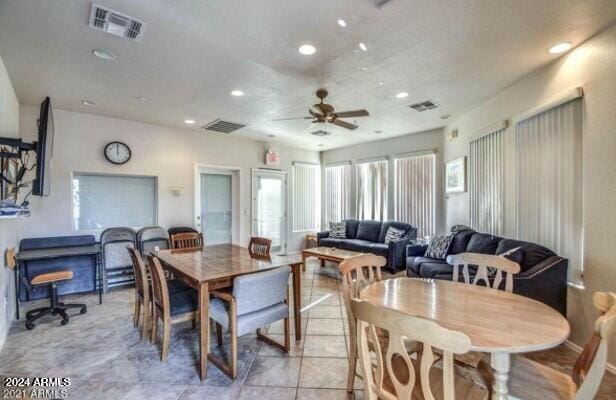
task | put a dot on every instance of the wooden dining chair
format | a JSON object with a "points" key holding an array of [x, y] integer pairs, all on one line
{"points": [[259, 247], [357, 273], [142, 293], [187, 241], [489, 267], [390, 372], [531, 380], [170, 308]]}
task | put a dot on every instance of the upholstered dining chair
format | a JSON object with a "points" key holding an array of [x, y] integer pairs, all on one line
{"points": [[390, 373], [534, 381], [257, 300], [357, 273], [169, 307], [187, 241], [259, 247]]}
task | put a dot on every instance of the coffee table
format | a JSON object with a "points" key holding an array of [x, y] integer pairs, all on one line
{"points": [[327, 254]]}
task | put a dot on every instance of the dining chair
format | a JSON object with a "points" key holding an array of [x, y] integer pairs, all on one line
{"points": [[151, 238], [187, 241], [142, 292], [257, 300], [117, 265], [357, 273], [531, 380], [488, 268], [259, 247], [169, 307], [391, 373]]}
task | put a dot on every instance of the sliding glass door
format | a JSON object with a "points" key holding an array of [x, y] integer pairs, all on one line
{"points": [[269, 194], [216, 214]]}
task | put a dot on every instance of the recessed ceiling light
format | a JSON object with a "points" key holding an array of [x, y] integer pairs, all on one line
{"points": [[560, 48], [342, 23], [237, 93], [104, 54], [141, 98], [189, 121], [381, 83], [402, 95], [307, 49], [362, 46], [88, 103]]}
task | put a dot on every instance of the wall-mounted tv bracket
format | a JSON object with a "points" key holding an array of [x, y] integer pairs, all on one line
{"points": [[17, 147]]}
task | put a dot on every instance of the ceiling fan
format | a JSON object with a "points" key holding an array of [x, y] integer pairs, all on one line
{"points": [[325, 113]]}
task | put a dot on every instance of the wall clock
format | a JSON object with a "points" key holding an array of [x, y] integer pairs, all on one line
{"points": [[117, 153]]}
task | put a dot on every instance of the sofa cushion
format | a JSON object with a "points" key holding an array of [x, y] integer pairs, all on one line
{"points": [[353, 244], [398, 225], [434, 269], [351, 228], [460, 241], [439, 247], [330, 242], [337, 230], [532, 254], [369, 230], [483, 243], [379, 249], [414, 263]]}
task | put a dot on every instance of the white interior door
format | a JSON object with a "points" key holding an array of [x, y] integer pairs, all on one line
{"points": [[269, 216], [216, 208]]}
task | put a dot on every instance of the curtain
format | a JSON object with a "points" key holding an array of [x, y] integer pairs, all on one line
{"points": [[549, 182], [414, 192], [337, 193], [306, 200], [487, 183], [372, 190]]}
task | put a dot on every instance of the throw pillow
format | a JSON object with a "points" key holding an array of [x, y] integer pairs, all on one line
{"points": [[337, 230], [516, 255], [438, 247], [393, 234], [460, 228]]}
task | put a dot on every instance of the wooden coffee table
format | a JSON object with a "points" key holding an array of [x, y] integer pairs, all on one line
{"points": [[327, 254]]}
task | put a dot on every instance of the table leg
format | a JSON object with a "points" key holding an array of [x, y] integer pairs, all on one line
{"points": [[297, 300], [500, 365], [204, 329]]}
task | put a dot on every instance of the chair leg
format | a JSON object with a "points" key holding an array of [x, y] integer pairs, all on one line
{"points": [[219, 333], [154, 326], [105, 283], [287, 336], [146, 321], [233, 332], [352, 364], [136, 313], [166, 337]]}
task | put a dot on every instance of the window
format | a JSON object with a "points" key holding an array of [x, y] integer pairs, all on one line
{"points": [[487, 183], [102, 201], [337, 193], [414, 192], [372, 190], [549, 182], [306, 197]]}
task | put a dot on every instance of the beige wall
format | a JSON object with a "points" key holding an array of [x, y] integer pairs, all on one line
{"points": [[593, 67], [390, 148], [170, 154]]}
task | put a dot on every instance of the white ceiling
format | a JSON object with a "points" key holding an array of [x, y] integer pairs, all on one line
{"points": [[194, 52]]}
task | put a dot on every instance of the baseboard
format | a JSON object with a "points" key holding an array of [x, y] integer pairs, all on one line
{"points": [[611, 368]]}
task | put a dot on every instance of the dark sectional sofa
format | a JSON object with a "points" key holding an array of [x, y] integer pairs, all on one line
{"points": [[543, 274], [369, 237]]}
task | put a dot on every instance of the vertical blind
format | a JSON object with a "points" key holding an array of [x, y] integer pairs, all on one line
{"points": [[487, 183], [103, 201], [306, 197], [549, 182], [372, 190], [414, 192], [337, 193]]}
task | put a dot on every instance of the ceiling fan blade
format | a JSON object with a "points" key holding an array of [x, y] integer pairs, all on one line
{"points": [[291, 119], [344, 124], [350, 114]]}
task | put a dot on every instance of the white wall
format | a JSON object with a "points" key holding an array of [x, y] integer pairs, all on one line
{"points": [[9, 127], [415, 142], [170, 154], [593, 67]]}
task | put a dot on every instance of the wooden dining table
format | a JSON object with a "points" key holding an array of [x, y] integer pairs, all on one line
{"points": [[497, 322], [214, 268]]}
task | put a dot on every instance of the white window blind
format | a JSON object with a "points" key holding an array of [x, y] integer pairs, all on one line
{"points": [[103, 201], [549, 182], [306, 197], [372, 190], [414, 192], [337, 193], [487, 183]]}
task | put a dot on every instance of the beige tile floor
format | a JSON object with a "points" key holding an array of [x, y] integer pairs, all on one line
{"points": [[102, 354]]}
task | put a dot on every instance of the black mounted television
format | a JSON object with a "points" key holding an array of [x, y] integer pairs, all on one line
{"points": [[44, 150]]}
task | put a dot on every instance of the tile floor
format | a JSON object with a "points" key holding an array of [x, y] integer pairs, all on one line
{"points": [[102, 354]]}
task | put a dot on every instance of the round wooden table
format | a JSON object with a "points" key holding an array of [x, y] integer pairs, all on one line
{"points": [[497, 322]]}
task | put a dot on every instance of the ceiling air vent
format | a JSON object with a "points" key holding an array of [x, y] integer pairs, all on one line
{"points": [[320, 133], [115, 23], [219, 125], [424, 106], [380, 3]]}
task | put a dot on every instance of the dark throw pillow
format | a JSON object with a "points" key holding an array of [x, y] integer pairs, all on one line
{"points": [[438, 247], [337, 230], [393, 234], [516, 255]]}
